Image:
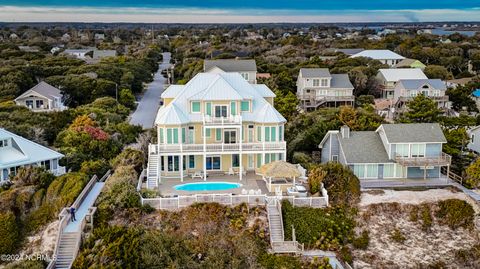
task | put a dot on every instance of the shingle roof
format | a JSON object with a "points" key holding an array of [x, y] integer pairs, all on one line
{"points": [[379, 55], [315, 73], [23, 151], [340, 81], [230, 65], [406, 63], [44, 89], [402, 73], [414, 133], [363, 147], [414, 84], [349, 51]]}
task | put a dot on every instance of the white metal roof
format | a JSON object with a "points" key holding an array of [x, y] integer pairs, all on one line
{"points": [[402, 73], [221, 87], [22, 151], [379, 55]]}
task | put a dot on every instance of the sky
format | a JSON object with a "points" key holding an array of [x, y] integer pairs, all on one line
{"points": [[238, 11]]}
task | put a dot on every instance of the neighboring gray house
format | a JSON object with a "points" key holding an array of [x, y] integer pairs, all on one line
{"points": [[17, 152], [407, 89], [388, 78], [246, 68], [316, 87], [474, 135], [392, 151], [43, 97]]}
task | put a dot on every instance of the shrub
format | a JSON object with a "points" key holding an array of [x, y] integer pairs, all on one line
{"points": [[126, 98], [397, 236], [426, 215], [94, 167], [455, 213], [26, 264], [33, 176], [469, 257], [129, 157], [414, 214], [9, 233], [362, 241]]}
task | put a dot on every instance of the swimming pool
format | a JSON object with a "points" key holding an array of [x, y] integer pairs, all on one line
{"points": [[207, 186]]}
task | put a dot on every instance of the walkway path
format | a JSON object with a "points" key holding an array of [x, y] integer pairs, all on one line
{"points": [[475, 196], [148, 106], [82, 210], [332, 257]]}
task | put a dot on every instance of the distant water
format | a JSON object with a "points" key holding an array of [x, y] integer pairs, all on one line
{"points": [[441, 31]]}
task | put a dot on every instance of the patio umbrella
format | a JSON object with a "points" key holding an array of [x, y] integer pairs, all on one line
{"points": [[279, 169]]}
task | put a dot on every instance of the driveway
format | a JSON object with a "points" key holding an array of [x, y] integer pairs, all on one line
{"points": [[148, 105]]}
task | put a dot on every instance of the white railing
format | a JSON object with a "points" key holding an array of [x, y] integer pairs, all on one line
{"points": [[229, 120], [172, 203], [442, 159], [61, 170], [220, 147]]}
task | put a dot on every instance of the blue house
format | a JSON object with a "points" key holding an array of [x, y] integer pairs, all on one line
{"points": [[392, 151]]}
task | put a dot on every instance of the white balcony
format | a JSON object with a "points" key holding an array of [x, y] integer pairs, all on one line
{"points": [[59, 171], [223, 121], [217, 148]]}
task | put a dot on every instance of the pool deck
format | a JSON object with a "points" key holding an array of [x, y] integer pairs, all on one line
{"points": [[249, 182]]}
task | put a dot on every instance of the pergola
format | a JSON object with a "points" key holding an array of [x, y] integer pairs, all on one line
{"points": [[279, 169]]}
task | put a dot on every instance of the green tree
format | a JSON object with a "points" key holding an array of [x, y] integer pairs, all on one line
{"points": [[437, 71], [421, 109], [472, 179], [9, 233], [127, 98]]}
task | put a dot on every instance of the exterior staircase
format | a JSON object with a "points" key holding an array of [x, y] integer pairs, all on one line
{"points": [[67, 249], [152, 171], [277, 237]]}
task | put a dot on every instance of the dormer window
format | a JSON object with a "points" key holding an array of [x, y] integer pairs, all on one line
{"points": [[3, 143], [196, 107], [316, 82], [245, 106], [324, 82]]}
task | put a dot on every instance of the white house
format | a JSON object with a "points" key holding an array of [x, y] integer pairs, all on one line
{"points": [[388, 78], [316, 87], [474, 134], [17, 152], [246, 68], [217, 123], [384, 56], [78, 53], [43, 97]]}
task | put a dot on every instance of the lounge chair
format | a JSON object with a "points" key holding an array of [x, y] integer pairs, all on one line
{"points": [[197, 174], [230, 172], [244, 192], [251, 192]]}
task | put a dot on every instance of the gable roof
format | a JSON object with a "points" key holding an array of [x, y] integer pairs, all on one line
{"points": [[44, 89], [363, 147], [408, 62], [315, 73], [171, 114], [230, 65], [379, 55], [402, 73], [340, 81], [415, 84], [414, 133], [349, 52], [219, 89], [23, 151]]}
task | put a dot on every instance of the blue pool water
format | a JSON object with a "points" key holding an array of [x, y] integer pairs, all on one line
{"points": [[207, 186]]}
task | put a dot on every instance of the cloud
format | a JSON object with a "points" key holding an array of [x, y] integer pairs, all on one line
{"points": [[212, 15]]}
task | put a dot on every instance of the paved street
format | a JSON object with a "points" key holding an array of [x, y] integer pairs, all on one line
{"points": [[148, 105]]}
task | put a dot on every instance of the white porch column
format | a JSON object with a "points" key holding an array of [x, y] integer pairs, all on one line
{"points": [[159, 167], [181, 167], [204, 167], [240, 153], [204, 153]]}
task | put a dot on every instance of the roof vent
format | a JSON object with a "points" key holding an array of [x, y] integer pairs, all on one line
{"points": [[345, 131]]}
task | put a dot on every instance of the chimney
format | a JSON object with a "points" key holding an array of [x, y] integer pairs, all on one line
{"points": [[345, 131]]}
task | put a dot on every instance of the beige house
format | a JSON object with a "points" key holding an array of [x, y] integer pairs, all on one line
{"points": [[215, 124], [43, 97]]}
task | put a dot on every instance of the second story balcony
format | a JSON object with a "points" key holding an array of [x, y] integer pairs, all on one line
{"points": [[257, 147], [222, 121], [442, 160]]}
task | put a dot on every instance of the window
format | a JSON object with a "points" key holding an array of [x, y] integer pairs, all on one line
{"points": [[418, 150], [45, 164], [280, 133], [233, 108], [401, 150], [213, 163], [413, 93], [208, 109], [259, 160], [316, 82], [244, 75], [359, 170], [267, 134], [235, 160], [398, 171], [273, 134], [473, 138], [324, 82], [175, 136], [436, 93], [388, 170], [184, 136], [334, 158], [259, 134], [160, 130], [250, 133], [191, 161], [221, 111], [245, 106], [191, 135], [172, 136], [196, 107], [372, 171], [3, 143], [173, 163], [218, 134], [169, 136], [29, 103], [39, 103], [230, 136]]}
